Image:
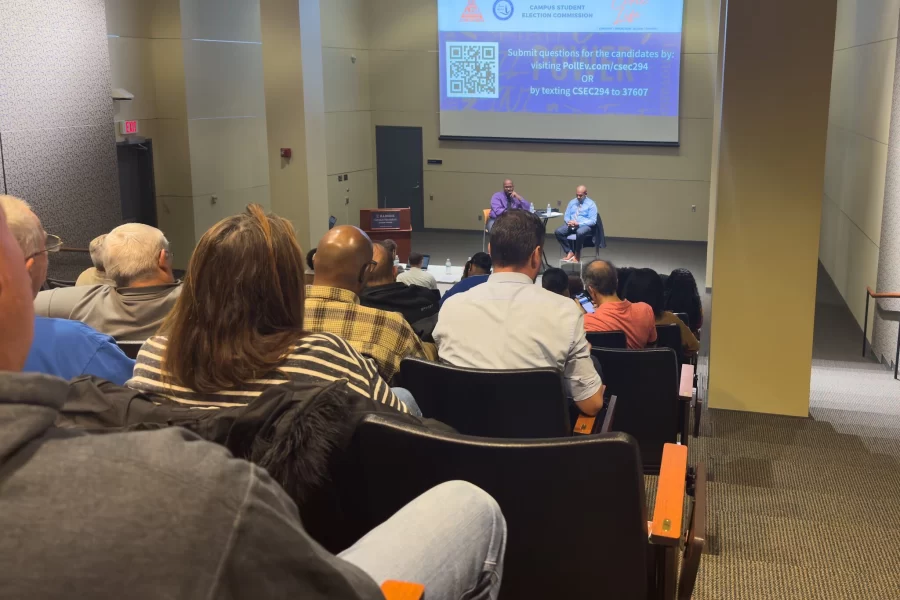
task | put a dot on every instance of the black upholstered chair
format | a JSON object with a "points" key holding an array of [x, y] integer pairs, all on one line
{"points": [[130, 349], [652, 403], [607, 339], [575, 508], [505, 404], [669, 336]]}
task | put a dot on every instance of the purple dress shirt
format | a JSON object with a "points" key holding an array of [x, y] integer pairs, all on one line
{"points": [[499, 204]]}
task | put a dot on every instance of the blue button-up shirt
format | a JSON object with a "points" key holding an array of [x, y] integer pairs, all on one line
{"points": [[585, 212]]}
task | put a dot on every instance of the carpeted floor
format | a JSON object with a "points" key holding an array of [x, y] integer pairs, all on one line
{"points": [[809, 508]]}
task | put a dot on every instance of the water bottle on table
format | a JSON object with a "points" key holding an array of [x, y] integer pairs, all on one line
{"points": [[549, 210], [447, 266]]}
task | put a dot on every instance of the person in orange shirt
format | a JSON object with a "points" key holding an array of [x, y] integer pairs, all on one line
{"points": [[613, 313]]}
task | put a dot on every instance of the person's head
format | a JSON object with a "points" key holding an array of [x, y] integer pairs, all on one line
{"points": [[33, 241], [479, 264], [96, 250], [344, 259], [645, 286], [581, 193], [391, 246], [600, 281], [682, 295], [241, 308], [576, 286], [137, 255], [415, 259], [556, 281], [16, 300], [517, 241], [623, 273], [309, 259], [384, 272], [508, 187]]}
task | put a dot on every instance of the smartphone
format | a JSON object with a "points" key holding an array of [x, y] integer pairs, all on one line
{"points": [[585, 302]]}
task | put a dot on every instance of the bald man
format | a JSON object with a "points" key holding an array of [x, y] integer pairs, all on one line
{"points": [[508, 199], [581, 217], [383, 291], [343, 266]]}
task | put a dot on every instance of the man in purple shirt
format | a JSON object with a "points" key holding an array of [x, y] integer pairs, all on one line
{"points": [[505, 200]]}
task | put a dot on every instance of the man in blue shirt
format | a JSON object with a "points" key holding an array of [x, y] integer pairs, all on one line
{"points": [[476, 272], [581, 216], [61, 347]]}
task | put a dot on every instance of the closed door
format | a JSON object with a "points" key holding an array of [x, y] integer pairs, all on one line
{"points": [[398, 151]]}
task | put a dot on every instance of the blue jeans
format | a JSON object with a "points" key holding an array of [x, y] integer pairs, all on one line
{"points": [[563, 232], [406, 397], [451, 539]]}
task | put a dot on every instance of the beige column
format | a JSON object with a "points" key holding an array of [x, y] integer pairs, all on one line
{"points": [[777, 81]]}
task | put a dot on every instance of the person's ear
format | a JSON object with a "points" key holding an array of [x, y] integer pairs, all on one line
{"points": [[29, 265], [536, 258]]}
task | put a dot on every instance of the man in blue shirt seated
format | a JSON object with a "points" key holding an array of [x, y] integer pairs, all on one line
{"points": [[61, 347], [476, 272], [581, 216]]}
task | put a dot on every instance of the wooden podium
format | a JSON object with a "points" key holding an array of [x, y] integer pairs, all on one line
{"points": [[388, 224]]}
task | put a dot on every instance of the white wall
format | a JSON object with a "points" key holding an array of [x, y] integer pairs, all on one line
{"points": [[642, 192], [865, 50]]}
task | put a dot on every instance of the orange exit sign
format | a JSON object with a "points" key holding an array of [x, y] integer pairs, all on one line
{"points": [[128, 127]]}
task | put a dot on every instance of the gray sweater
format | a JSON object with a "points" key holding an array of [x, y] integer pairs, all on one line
{"points": [[157, 514]]}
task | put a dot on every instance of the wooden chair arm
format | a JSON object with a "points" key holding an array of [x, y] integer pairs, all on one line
{"points": [[669, 509], [686, 386], [402, 590], [875, 294], [696, 538]]}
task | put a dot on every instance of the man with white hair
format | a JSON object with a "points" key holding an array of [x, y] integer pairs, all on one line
{"points": [[138, 260], [61, 347], [95, 275]]}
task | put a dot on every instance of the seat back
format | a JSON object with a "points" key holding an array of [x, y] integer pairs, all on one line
{"points": [[487, 215], [130, 349], [574, 507], [505, 404], [607, 339], [669, 336], [646, 385], [53, 284]]}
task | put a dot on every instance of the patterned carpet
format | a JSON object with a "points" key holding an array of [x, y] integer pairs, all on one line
{"points": [[809, 508]]}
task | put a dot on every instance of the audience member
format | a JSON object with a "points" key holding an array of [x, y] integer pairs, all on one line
{"points": [[476, 272], [556, 281], [137, 258], [237, 327], [74, 504], [343, 266], [384, 292], [95, 275], [613, 313], [622, 274], [645, 285], [61, 347], [416, 275], [682, 296], [391, 245], [576, 286], [510, 323]]}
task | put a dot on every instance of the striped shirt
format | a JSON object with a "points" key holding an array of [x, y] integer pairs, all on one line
{"points": [[321, 356]]}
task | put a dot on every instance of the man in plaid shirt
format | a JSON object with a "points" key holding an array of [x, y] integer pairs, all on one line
{"points": [[343, 263]]}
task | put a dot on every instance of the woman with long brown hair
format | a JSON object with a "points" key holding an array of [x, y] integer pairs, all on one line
{"points": [[237, 328]]}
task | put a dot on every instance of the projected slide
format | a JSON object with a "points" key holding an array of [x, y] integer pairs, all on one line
{"points": [[601, 71]]}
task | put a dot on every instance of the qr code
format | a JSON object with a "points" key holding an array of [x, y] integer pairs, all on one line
{"points": [[473, 70]]}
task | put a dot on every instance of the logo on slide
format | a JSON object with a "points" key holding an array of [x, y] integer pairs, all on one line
{"points": [[503, 9], [472, 14]]}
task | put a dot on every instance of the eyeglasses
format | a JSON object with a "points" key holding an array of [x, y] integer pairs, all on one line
{"points": [[52, 244]]}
